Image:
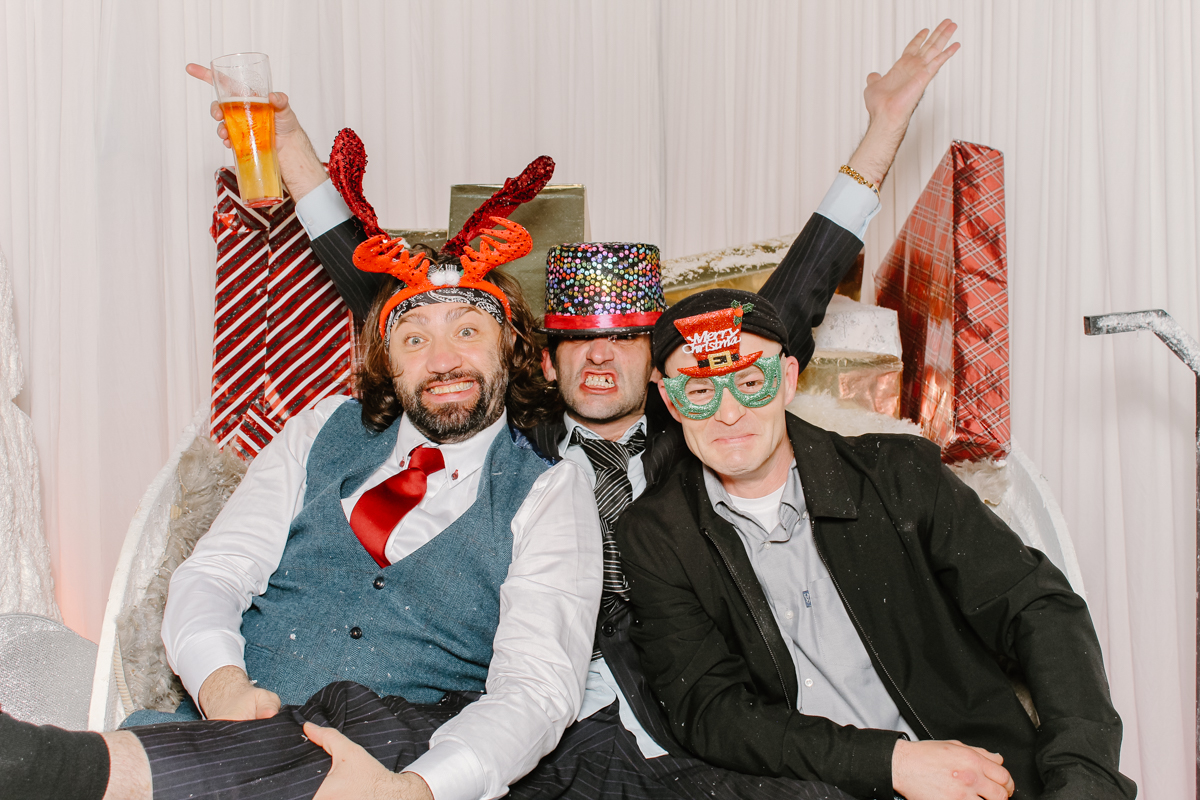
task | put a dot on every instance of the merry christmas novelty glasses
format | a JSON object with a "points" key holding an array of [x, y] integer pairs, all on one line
{"points": [[753, 387]]}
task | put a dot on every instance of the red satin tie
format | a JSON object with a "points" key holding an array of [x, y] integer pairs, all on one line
{"points": [[379, 510]]}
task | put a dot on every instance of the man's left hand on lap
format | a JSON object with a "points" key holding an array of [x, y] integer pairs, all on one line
{"points": [[356, 774]]}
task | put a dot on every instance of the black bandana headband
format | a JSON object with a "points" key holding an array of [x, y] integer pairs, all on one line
{"points": [[446, 294]]}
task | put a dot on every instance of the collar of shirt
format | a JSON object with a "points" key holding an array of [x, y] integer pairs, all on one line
{"points": [[792, 509], [572, 424], [637, 473], [463, 459]]}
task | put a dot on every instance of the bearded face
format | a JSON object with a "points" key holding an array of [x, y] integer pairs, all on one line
{"points": [[445, 420], [449, 366]]}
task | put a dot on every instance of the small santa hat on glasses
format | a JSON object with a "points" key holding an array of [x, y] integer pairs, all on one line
{"points": [[501, 241], [714, 339]]}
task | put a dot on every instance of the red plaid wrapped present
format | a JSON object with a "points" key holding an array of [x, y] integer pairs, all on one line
{"points": [[947, 277], [282, 337]]}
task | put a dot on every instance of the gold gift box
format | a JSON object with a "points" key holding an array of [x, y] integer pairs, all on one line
{"points": [[855, 379], [746, 266], [432, 238], [558, 215]]}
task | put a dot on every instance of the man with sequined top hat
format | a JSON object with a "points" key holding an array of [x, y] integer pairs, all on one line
{"points": [[843, 609]]}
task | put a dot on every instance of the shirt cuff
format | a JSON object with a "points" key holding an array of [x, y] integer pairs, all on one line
{"points": [[451, 770], [205, 655], [321, 209], [847, 203]]}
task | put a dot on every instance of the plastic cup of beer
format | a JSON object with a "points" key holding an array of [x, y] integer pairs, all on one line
{"points": [[243, 84]]}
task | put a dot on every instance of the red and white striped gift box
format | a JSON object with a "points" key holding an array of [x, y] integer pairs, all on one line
{"points": [[947, 277], [282, 337]]}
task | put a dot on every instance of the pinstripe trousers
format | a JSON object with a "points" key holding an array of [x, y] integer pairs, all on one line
{"points": [[597, 759]]}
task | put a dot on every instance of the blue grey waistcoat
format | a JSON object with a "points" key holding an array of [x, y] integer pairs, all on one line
{"points": [[419, 628]]}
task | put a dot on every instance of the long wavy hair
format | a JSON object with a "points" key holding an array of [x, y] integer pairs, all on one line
{"points": [[528, 398]]}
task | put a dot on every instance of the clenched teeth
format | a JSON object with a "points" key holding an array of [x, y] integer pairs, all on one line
{"points": [[462, 386], [599, 382]]}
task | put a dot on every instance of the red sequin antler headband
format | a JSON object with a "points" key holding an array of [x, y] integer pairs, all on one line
{"points": [[505, 242]]}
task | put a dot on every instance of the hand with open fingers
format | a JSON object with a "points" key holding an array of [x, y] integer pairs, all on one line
{"points": [[891, 100], [948, 770], [229, 694], [894, 96], [356, 775]]}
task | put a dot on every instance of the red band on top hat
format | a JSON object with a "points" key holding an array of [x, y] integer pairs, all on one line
{"points": [[582, 322]]}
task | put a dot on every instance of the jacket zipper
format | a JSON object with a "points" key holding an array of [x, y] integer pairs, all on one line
{"points": [[854, 618], [745, 598]]}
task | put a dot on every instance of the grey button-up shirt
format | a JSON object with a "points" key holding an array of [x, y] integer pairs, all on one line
{"points": [[833, 670]]}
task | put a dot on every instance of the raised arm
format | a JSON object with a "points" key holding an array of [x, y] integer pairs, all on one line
{"points": [[333, 230], [299, 165], [891, 99], [804, 282]]}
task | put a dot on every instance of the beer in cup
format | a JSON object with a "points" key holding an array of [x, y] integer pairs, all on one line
{"points": [[243, 84]]}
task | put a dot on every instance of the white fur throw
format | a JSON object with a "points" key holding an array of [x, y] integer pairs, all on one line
{"points": [[207, 477], [824, 411], [988, 478]]}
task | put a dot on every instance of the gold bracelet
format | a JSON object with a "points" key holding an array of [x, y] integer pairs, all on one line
{"points": [[846, 169]]}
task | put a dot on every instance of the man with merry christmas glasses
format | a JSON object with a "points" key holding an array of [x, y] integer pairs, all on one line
{"points": [[843, 609]]}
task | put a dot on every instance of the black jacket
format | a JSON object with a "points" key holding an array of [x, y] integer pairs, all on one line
{"points": [[941, 592], [800, 289]]}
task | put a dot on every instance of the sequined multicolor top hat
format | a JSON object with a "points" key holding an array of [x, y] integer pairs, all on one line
{"points": [[425, 282], [598, 288], [714, 339]]}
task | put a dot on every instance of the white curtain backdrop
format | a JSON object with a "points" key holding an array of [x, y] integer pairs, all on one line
{"points": [[695, 124]]}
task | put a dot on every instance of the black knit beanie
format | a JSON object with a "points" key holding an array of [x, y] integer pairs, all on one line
{"points": [[763, 320]]}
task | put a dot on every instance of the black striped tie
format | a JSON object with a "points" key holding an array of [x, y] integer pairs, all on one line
{"points": [[613, 493]]}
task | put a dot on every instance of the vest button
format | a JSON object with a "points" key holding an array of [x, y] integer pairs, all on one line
{"points": [[356, 632], [379, 582], [608, 629]]}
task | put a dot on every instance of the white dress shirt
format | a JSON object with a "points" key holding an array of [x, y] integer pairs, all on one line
{"points": [[548, 602], [850, 204], [847, 203]]}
